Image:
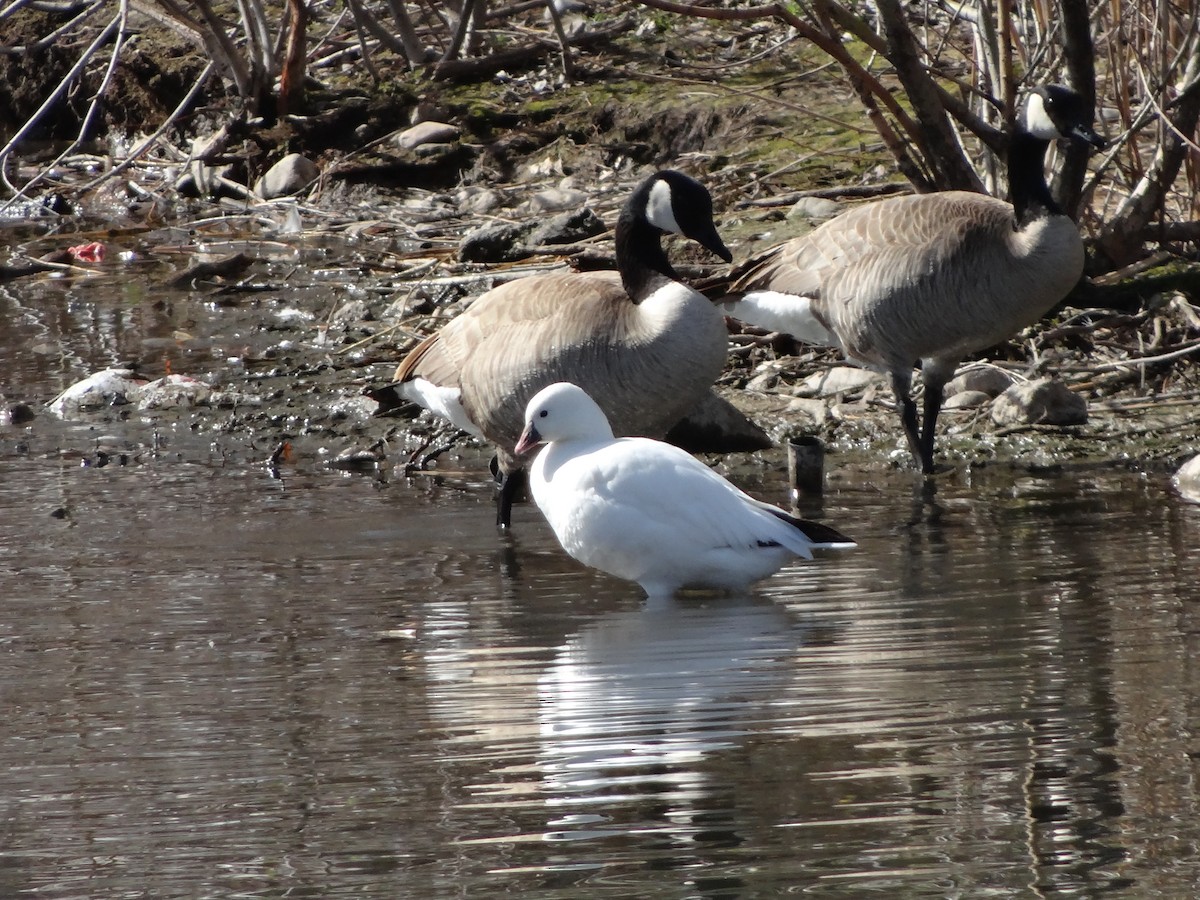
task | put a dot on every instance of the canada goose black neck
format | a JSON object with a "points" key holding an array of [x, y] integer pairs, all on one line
{"points": [[640, 256], [1031, 198]]}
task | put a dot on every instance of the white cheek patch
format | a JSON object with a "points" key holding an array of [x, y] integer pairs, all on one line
{"points": [[658, 209], [1037, 120]]}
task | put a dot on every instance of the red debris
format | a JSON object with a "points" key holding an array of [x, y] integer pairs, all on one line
{"points": [[88, 253]]}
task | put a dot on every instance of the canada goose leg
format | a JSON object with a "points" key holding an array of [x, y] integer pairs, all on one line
{"points": [[935, 375], [901, 386], [512, 485], [934, 395]]}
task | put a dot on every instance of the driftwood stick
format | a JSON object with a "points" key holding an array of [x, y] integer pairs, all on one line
{"points": [[224, 267], [844, 192], [1149, 360]]}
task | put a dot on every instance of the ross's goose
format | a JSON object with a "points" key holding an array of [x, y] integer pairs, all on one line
{"points": [[650, 512]]}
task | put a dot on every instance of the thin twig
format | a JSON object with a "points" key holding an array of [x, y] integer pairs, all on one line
{"points": [[1149, 360], [117, 23], [150, 141]]}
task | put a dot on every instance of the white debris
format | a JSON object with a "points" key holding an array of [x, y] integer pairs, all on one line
{"points": [[108, 387]]}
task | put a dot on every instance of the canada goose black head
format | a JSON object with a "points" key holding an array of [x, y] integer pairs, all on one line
{"points": [[675, 203], [1051, 112], [1055, 111], [668, 202]]}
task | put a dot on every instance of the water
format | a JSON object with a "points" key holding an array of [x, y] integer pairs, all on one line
{"points": [[221, 680]]}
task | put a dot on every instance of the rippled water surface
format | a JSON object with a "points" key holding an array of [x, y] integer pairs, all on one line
{"points": [[222, 681]]}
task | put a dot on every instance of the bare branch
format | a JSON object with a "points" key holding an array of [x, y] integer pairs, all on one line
{"points": [[944, 146], [76, 70]]}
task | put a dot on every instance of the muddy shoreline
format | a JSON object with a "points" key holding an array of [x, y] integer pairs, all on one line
{"points": [[335, 283]]}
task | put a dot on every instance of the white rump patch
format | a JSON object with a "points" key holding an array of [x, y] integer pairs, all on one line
{"points": [[659, 212], [789, 313], [1037, 121], [442, 401]]}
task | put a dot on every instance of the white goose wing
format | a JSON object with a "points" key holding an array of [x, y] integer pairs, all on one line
{"points": [[636, 486]]}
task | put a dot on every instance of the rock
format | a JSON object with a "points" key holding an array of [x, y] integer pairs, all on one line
{"points": [[427, 133], [717, 426], [478, 201], [350, 313], [814, 208], [555, 199], [766, 377], [1187, 479], [17, 414], [432, 150], [426, 111], [356, 407], [984, 379], [1042, 402], [967, 400], [173, 392], [817, 410], [290, 175], [502, 242], [838, 380], [568, 227]]}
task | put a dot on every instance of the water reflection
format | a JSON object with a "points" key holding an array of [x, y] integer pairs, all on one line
{"points": [[632, 704]]}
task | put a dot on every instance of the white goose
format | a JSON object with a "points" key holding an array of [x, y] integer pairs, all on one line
{"points": [[649, 512], [648, 347], [928, 278]]}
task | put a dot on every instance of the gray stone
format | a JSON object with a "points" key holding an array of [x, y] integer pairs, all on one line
{"points": [[1042, 402], [985, 379], [502, 242], [838, 380], [427, 133], [291, 174], [426, 111], [108, 387], [478, 201], [568, 227], [555, 199], [967, 400], [349, 313], [174, 392], [817, 410], [764, 382], [814, 208]]}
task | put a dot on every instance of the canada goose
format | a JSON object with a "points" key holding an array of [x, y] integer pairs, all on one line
{"points": [[927, 278], [645, 345], [648, 511]]}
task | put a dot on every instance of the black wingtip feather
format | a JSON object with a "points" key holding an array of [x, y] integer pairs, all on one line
{"points": [[814, 531]]}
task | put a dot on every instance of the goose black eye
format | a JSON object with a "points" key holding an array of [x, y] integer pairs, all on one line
{"points": [[543, 413]]}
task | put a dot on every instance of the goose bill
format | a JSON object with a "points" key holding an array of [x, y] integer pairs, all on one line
{"points": [[710, 240], [1085, 135], [529, 441]]}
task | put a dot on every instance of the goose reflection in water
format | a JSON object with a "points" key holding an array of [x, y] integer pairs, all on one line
{"points": [[635, 703]]}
